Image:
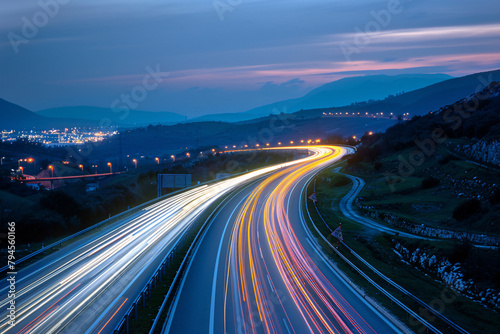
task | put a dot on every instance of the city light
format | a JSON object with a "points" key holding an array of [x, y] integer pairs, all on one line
{"points": [[370, 133], [51, 170], [22, 170], [81, 167], [172, 157], [135, 162], [157, 160], [110, 167], [291, 142]]}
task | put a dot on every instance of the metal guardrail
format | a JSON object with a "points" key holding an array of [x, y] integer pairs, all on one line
{"points": [[386, 293], [90, 228]]}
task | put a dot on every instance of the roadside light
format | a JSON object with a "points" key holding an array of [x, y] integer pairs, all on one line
{"points": [[81, 167], [22, 170], [51, 170], [135, 162], [173, 157], [267, 144], [157, 160], [370, 133], [110, 167], [353, 137], [291, 142]]}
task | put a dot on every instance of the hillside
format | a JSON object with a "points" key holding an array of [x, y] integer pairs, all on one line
{"points": [[354, 89], [338, 93], [15, 117], [117, 117], [154, 140]]}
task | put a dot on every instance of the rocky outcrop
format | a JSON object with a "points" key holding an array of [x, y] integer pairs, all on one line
{"points": [[448, 273], [483, 151], [427, 231]]}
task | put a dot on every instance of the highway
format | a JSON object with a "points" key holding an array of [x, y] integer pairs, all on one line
{"points": [[87, 287], [256, 269]]}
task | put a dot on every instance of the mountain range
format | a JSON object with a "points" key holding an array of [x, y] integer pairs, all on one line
{"points": [[422, 93]]}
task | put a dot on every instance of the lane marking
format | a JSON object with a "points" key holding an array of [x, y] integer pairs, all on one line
{"points": [[214, 282], [286, 325], [270, 284]]}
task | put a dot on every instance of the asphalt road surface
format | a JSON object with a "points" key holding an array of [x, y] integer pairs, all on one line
{"points": [[256, 270]]}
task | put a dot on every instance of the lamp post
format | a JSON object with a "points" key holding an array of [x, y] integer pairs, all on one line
{"points": [[22, 170], [135, 162], [173, 157], [81, 167], [110, 167], [51, 170], [157, 160]]}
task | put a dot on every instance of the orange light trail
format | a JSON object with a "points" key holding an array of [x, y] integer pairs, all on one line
{"points": [[321, 307]]}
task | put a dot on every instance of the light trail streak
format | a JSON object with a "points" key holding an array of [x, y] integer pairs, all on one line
{"points": [[116, 255], [248, 274]]}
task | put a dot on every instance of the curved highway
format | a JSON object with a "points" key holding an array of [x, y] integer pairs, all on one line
{"points": [[88, 286], [256, 270]]}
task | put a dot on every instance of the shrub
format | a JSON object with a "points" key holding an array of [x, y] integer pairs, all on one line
{"points": [[429, 182], [467, 209]]}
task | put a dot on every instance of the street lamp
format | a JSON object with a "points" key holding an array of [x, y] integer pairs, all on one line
{"points": [[291, 142], [22, 170], [135, 162], [1, 160], [81, 167], [51, 170], [188, 155], [110, 167], [157, 160], [173, 157]]}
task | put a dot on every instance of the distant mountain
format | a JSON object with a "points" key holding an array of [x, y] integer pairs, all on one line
{"points": [[119, 117], [15, 117], [354, 89], [421, 101]]}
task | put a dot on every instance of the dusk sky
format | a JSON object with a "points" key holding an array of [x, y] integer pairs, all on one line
{"points": [[230, 55]]}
